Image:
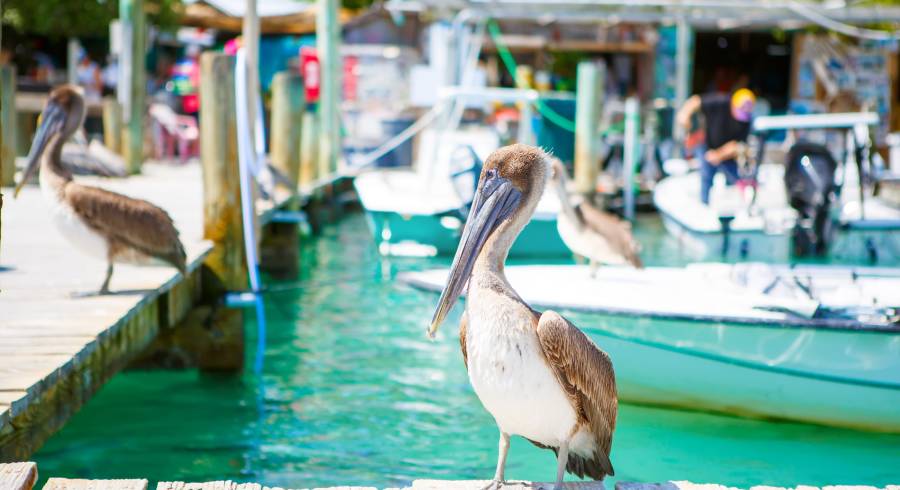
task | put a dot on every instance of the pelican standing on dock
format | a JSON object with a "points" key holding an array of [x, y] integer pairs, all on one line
{"points": [[536, 373], [100, 223], [600, 237]]}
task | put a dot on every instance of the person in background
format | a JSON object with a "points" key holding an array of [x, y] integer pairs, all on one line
{"points": [[728, 120], [110, 75], [89, 77]]}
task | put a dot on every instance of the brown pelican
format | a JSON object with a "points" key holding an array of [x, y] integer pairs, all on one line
{"points": [[536, 373], [110, 226], [600, 237]]}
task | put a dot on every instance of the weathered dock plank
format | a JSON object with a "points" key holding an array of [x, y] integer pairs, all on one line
{"points": [[58, 348], [18, 476], [508, 485], [76, 484], [230, 485]]}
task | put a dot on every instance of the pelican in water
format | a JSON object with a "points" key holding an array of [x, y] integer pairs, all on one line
{"points": [[600, 237], [537, 374], [100, 223]]}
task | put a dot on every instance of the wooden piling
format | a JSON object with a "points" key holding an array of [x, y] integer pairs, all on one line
{"points": [[226, 265], [131, 14], [8, 124], [328, 46], [280, 246], [589, 95], [288, 105], [112, 124], [309, 150]]}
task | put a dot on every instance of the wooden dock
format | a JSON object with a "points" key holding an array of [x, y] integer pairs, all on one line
{"points": [[22, 476], [56, 348]]}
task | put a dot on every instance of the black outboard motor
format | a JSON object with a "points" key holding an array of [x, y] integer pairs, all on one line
{"points": [[809, 179]]}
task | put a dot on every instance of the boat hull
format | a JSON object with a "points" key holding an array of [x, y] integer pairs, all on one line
{"points": [[436, 234], [766, 233], [705, 337], [772, 373], [750, 245]]}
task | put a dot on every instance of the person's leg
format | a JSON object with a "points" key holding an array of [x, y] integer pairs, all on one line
{"points": [[730, 168]]}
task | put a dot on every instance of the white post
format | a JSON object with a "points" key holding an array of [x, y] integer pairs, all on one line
{"points": [[327, 44], [72, 48], [526, 131], [632, 122], [250, 38]]}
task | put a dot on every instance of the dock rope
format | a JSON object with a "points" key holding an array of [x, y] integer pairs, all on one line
{"points": [[250, 163]]}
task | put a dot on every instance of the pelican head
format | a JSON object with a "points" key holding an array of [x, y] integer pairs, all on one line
{"points": [[63, 115], [511, 183]]}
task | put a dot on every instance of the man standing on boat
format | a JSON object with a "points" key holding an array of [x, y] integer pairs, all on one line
{"points": [[728, 119]]}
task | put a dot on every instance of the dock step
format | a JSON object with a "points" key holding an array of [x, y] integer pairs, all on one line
{"points": [[230, 485], [18, 476], [78, 484]]}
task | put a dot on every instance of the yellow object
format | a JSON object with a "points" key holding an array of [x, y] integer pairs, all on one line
{"points": [[741, 97]]}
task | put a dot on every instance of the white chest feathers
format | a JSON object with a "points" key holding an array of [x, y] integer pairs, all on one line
{"points": [[70, 225], [509, 374]]}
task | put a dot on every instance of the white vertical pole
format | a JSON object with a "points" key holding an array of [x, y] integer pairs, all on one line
{"points": [[328, 47], [72, 49], [632, 108], [250, 38]]}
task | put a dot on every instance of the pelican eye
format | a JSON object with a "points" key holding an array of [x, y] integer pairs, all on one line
{"points": [[491, 173]]}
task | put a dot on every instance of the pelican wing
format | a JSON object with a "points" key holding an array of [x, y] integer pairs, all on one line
{"points": [[586, 375], [132, 222], [617, 232]]}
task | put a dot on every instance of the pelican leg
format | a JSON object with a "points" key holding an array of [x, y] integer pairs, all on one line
{"points": [[562, 458], [497, 482], [104, 289]]}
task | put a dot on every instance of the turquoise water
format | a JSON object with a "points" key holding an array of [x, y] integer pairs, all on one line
{"points": [[351, 392]]}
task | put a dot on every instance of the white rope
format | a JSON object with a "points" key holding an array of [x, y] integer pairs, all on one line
{"points": [[395, 141], [247, 163]]}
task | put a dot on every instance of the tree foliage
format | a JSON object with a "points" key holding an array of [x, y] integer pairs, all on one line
{"points": [[65, 18]]}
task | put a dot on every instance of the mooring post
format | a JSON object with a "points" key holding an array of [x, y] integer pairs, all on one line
{"points": [[589, 97], [279, 250], [8, 125], [134, 28], [309, 149], [328, 47], [226, 265], [288, 105], [112, 125]]}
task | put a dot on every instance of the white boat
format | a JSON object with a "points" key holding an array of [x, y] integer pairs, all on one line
{"points": [[420, 211], [736, 226], [819, 344]]}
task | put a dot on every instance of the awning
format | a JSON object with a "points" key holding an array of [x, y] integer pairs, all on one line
{"points": [[275, 16]]}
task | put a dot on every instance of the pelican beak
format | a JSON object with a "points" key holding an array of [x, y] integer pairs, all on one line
{"points": [[51, 122], [497, 198]]}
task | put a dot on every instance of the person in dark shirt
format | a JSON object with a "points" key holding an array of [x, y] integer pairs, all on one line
{"points": [[728, 119]]}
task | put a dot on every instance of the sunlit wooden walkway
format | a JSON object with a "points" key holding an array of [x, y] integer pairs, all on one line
{"points": [[22, 476], [57, 349]]}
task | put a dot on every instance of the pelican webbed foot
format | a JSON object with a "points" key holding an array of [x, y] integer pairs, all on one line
{"points": [[494, 485]]}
